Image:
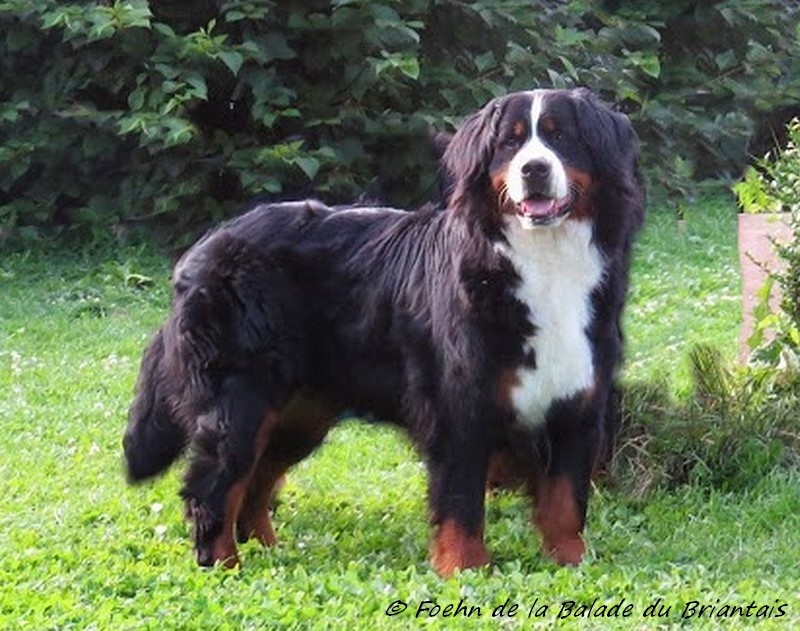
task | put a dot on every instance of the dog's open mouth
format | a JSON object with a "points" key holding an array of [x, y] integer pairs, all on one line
{"points": [[539, 210]]}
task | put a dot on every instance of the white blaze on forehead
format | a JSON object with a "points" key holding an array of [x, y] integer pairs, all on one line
{"points": [[536, 149]]}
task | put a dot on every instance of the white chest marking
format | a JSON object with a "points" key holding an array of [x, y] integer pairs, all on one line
{"points": [[559, 267]]}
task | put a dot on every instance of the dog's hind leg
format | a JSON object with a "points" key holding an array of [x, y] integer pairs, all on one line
{"points": [[301, 427], [230, 440]]}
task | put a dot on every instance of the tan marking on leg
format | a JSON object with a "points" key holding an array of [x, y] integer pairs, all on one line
{"points": [[255, 521], [558, 519], [223, 549], [454, 548], [305, 413]]}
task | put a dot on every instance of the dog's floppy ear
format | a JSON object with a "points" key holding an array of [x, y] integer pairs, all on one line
{"points": [[609, 136], [469, 152], [614, 148]]}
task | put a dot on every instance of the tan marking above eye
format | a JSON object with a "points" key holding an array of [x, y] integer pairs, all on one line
{"points": [[547, 124], [520, 129]]}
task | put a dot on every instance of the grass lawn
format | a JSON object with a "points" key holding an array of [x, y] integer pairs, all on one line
{"points": [[81, 550]]}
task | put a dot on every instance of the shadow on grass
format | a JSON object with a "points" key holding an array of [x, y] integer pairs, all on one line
{"points": [[317, 533], [737, 427]]}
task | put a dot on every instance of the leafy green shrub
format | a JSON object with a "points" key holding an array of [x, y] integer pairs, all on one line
{"points": [[784, 179], [782, 175], [151, 111], [775, 186], [734, 430], [117, 113]]}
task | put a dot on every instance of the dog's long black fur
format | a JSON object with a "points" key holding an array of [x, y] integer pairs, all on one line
{"points": [[295, 313]]}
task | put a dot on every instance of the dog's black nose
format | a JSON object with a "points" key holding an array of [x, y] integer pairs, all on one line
{"points": [[536, 170]]}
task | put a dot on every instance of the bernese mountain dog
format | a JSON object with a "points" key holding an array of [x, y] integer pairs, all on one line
{"points": [[490, 330]]}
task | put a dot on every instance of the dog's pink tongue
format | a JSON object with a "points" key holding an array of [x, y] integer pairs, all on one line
{"points": [[537, 207]]}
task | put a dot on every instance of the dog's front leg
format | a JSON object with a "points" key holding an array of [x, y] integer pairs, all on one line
{"points": [[561, 490]]}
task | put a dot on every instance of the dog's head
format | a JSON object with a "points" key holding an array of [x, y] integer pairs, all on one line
{"points": [[540, 156]]}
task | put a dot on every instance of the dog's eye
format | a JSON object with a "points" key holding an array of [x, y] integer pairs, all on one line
{"points": [[512, 142]]}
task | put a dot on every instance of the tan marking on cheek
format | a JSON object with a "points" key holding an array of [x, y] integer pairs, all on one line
{"points": [[582, 185], [498, 183], [498, 180]]}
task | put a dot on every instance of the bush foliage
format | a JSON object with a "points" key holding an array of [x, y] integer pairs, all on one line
{"points": [[773, 185], [736, 427], [118, 112]]}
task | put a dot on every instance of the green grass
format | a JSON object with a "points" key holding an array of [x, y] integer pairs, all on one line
{"points": [[81, 550], [686, 289]]}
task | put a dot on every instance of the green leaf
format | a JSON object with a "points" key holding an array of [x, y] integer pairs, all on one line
{"points": [[170, 87], [406, 64], [726, 61], [232, 60], [198, 84], [647, 62], [570, 68], [652, 66], [409, 66], [234, 16], [556, 80], [568, 37], [308, 164], [128, 124], [276, 47], [485, 61], [136, 98], [164, 29]]}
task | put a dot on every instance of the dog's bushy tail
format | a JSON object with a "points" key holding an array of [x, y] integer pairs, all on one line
{"points": [[235, 316], [154, 437]]}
